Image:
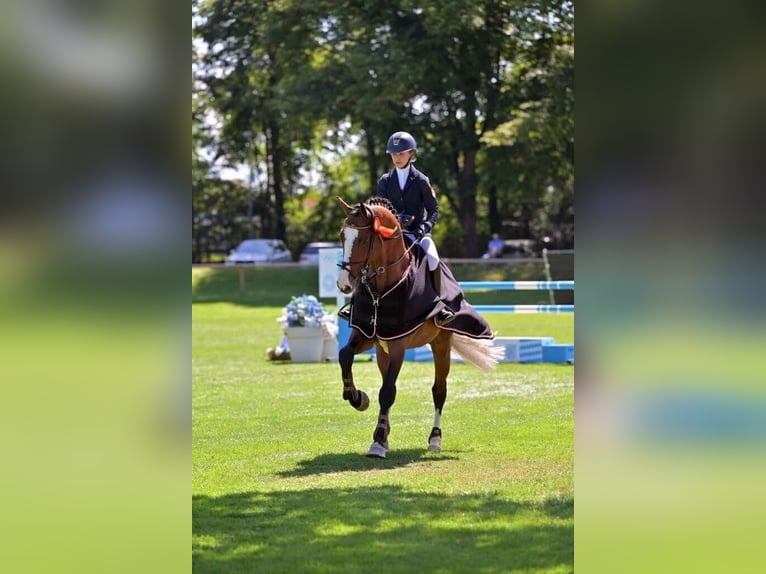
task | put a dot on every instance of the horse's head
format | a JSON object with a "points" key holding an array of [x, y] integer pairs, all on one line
{"points": [[364, 223]]}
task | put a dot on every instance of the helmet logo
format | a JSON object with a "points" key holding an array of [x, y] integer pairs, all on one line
{"points": [[396, 141]]}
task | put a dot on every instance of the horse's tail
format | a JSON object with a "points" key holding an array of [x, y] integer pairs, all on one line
{"points": [[481, 353]]}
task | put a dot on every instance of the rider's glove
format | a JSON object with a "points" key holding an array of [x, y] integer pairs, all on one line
{"points": [[423, 230], [404, 219]]}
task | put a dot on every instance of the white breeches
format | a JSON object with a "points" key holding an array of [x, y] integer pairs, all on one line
{"points": [[429, 247]]}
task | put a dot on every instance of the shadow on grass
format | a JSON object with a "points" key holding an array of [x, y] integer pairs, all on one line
{"points": [[355, 462], [379, 529]]}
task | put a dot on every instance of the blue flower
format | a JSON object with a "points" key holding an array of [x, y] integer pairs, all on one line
{"points": [[304, 311]]}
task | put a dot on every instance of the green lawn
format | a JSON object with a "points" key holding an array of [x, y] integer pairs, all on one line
{"points": [[280, 481]]}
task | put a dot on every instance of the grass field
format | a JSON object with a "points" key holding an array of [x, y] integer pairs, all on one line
{"points": [[280, 481]]}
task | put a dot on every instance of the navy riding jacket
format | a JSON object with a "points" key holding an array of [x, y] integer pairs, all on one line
{"points": [[416, 199]]}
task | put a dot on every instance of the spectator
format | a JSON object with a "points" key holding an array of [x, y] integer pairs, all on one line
{"points": [[494, 247]]}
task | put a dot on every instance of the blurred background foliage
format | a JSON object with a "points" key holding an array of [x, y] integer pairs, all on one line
{"points": [[292, 104]]}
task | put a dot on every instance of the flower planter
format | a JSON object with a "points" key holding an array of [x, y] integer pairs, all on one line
{"points": [[330, 348], [306, 344], [312, 333]]}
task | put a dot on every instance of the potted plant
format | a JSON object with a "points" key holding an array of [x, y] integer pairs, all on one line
{"points": [[309, 329]]}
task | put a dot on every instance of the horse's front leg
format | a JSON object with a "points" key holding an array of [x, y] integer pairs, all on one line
{"points": [[389, 366], [356, 344]]}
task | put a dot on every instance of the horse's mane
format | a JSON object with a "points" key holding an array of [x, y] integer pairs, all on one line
{"points": [[382, 202]]}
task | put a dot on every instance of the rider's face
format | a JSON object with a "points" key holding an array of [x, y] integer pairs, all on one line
{"points": [[402, 158]]}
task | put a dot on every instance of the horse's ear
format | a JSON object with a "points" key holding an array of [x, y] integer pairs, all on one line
{"points": [[345, 206], [378, 228]]}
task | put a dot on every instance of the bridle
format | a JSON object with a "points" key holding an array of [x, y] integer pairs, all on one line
{"points": [[346, 265], [366, 276]]}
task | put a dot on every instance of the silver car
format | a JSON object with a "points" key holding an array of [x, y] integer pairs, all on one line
{"points": [[260, 251], [310, 253]]}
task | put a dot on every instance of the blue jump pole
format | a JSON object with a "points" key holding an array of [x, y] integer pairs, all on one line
{"points": [[517, 285], [525, 308]]}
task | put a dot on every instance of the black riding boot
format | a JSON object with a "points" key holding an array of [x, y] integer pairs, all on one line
{"points": [[446, 315]]}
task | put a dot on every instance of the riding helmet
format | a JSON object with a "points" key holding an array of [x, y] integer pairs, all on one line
{"points": [[399, 142]]}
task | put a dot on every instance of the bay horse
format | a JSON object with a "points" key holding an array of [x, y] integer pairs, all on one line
{"points": [[376, 260]]}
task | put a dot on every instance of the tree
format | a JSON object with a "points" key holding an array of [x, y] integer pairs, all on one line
{"points": [[538, 137], [252, 53], [307, 94]]}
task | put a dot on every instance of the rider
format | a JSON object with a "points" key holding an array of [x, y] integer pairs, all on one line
{"points": [[410, 191]]}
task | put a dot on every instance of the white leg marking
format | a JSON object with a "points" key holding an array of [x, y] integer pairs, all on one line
{"points": [[435, 442]]}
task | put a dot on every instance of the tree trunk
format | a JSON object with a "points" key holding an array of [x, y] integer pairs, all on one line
{"points": [[372, 158], [495, 221], [251, 198], [280, 227], [467, 182]]}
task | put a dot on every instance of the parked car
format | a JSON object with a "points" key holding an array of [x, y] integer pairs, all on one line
{"points": [[310, 253], [517, 249], [260, 251], [520, 249]]}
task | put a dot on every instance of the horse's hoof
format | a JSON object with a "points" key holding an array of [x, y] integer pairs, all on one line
{"points": [[364, 402], [378, 450], [435, 440]]}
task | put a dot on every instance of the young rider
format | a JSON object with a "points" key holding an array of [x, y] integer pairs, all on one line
{"points": [[410, 191]]}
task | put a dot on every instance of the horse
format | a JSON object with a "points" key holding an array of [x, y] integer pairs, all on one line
{"points": [[376, 261]]}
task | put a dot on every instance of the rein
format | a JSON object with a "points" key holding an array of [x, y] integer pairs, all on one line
{"points": [[380, 270]]}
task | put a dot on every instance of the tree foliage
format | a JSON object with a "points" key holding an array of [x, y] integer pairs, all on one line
{"points": [[301, 98]]}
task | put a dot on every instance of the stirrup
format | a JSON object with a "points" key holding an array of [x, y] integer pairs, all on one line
{"points": [[445, 317], [345, 313]]}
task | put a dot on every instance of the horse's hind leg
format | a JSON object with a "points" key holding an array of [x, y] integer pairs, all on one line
{"points": [[441, 349], [356, 344]]}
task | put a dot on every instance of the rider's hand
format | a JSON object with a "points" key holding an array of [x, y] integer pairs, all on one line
{"points": [[404, 219]]}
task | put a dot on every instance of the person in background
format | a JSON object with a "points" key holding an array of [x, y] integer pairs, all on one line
{"points": [[494, 247]]}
